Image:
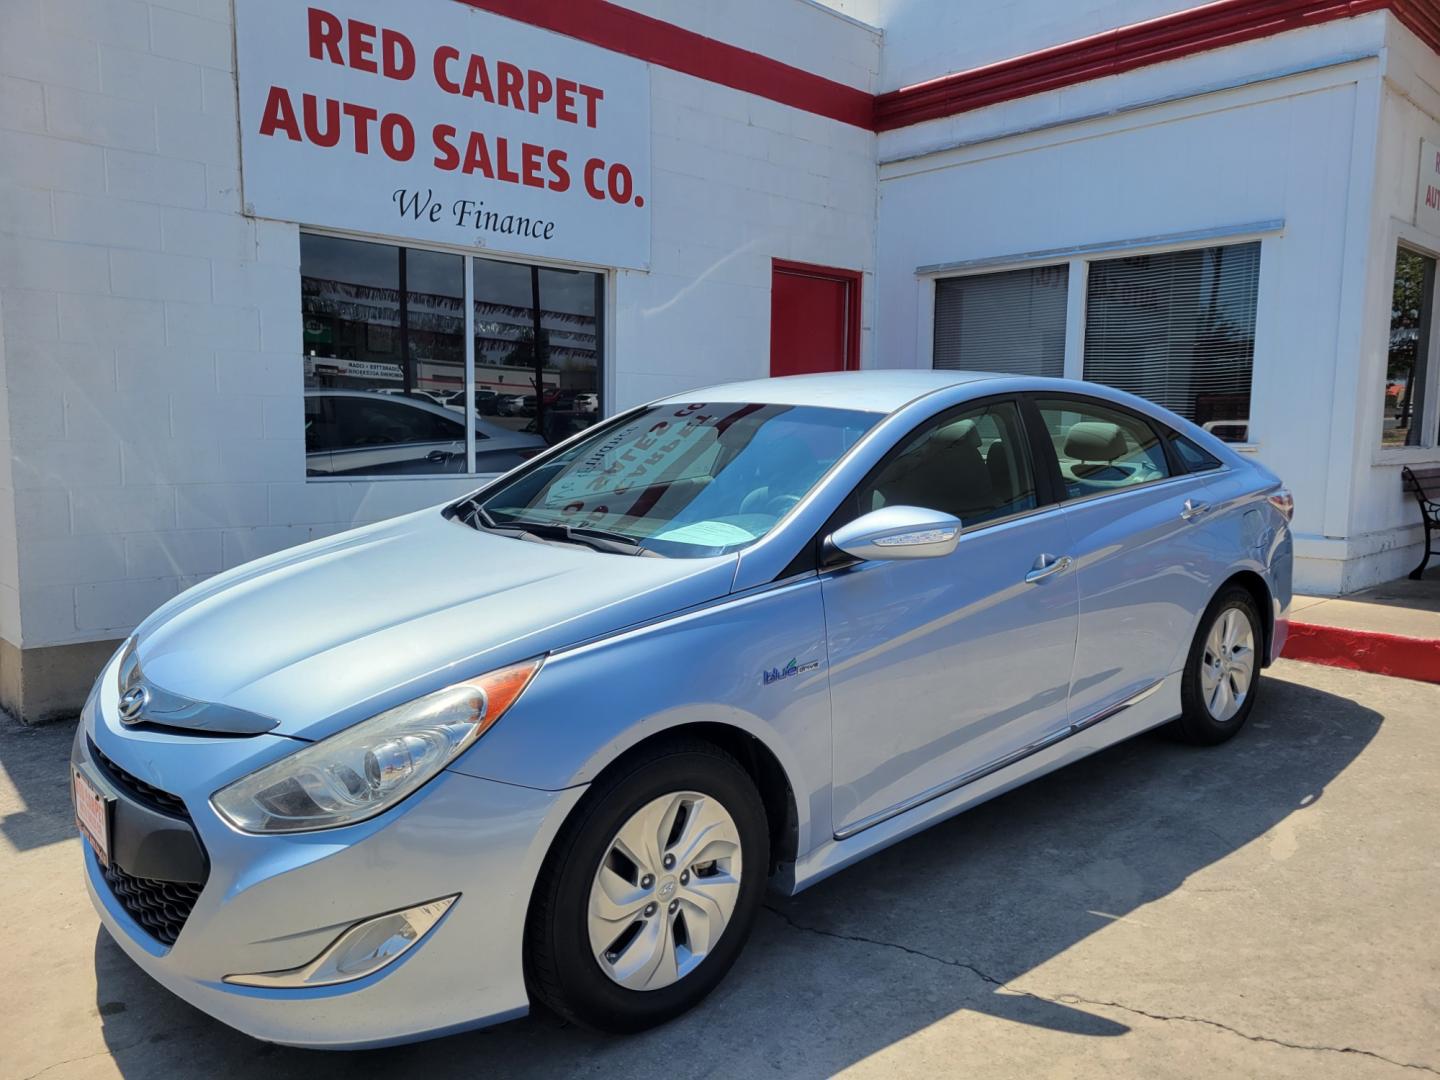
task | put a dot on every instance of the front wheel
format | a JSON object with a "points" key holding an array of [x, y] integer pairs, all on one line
{"points": [[1222, 672], [650, 891]]}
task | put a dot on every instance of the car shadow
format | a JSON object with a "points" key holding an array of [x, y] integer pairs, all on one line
{"points": [[831, 976]]}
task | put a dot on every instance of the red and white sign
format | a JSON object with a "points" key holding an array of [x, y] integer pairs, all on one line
{"points": [[1427, 198], [440, 122], [90, 815]]}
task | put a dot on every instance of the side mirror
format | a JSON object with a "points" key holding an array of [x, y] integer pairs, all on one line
{"points": [[898, 532]]}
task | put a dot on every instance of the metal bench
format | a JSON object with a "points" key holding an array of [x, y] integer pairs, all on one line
{"points": [[1425, 484]]}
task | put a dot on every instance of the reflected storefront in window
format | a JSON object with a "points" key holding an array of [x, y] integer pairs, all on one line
{"points": [[400, 379]]}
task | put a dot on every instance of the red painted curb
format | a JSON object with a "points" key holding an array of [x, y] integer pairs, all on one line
{"points": [[1365, 650]]}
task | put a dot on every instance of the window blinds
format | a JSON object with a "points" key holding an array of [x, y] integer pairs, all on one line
{"points": [[1012, 321], [1177, 328]]}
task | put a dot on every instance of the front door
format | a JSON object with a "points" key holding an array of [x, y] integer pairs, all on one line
{"points": [[814, 319], [940, 667]]}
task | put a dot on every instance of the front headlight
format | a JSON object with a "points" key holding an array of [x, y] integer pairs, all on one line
{"points": [[370, 767]]}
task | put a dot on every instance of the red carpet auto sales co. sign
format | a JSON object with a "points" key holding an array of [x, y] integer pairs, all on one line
{"points": [[440, 122]]}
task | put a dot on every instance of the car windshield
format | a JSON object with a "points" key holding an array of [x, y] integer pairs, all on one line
{"points": [[684, 481]]}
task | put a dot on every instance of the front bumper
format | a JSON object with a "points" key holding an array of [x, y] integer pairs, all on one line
{"points": [[274, 902]]}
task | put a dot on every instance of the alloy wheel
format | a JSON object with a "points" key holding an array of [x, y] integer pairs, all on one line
{"points": [[664, 890], [1227, 667]]}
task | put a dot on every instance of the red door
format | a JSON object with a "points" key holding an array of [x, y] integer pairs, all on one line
{"points": [[814, 319]]}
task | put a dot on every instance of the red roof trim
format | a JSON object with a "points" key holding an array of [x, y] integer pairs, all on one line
{"points": [[1169, 37], [624, 31], [1184, 33]]}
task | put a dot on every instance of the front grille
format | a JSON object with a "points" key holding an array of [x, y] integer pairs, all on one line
{"points": [[138, 789], [161, 907]]}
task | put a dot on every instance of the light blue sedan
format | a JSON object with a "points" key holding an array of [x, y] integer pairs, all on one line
{"points": [[552, 742]]}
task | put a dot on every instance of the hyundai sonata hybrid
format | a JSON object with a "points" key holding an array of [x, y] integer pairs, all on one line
{"points": [[551, 742]]}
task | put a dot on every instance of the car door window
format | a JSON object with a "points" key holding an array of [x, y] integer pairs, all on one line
{"points": [[1101, 449], [364, 421], [973, 463]]}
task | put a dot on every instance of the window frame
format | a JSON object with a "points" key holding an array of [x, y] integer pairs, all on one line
{"points": [[604, 367], [1079, 258], [1402, 234]]}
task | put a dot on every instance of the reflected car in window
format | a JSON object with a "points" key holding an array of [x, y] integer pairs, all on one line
{"points": [[367, 433], [486, 401], [553, 741], [510, 405]]}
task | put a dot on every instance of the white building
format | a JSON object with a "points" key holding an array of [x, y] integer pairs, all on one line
{"points": [[239, 314]]}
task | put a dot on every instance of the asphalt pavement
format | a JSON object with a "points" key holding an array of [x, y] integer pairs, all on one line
{"points": [[1264, 909]]}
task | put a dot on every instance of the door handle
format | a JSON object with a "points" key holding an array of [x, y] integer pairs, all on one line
{"points": [[1048, 565], [1193, 509]]}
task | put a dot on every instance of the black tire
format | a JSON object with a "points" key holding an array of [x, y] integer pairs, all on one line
{"points": [[561, 970], [1196, 724]]}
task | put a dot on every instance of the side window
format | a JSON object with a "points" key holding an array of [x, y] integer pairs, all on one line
{"points": [[1192, 457], [973, 464], [1101, 449], [377, 422]]}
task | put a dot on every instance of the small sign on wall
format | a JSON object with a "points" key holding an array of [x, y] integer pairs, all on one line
{"points": [[441, 122], [1427, 194]]}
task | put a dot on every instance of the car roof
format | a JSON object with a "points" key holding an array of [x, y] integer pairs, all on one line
{"points": [[867, 391], [424, 404]]}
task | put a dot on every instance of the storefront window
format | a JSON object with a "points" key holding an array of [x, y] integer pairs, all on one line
{"points": [[537, 348], [385, 355], [1013, 321], [1178, 328], [1411, 305]]}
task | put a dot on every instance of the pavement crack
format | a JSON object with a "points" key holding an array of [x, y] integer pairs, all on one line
{"points": [[107, 1051], [1075, 999], [786, 918]]}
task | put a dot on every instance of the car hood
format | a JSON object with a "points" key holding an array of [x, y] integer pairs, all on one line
{"points": [[320, 636]]}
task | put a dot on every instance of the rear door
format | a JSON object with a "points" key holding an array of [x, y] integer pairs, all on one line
{"points": [[375, 435], [1144, 562], [942, 667]]}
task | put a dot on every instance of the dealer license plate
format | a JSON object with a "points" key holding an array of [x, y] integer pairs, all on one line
{"points": [[92, 815]]}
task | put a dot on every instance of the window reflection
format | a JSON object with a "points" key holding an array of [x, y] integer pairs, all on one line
{"points": [[384, 346], [537, 347], [1411, 307]]}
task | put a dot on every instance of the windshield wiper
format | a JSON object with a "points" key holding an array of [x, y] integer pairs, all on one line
{"points": [[615, 543]]}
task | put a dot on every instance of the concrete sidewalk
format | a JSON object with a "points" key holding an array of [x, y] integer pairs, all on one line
{"points": [[1265, 908], [1391, 629]]}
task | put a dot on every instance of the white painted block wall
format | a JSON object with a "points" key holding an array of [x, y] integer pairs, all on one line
{"points": [[1290, 128], [152, 429]]}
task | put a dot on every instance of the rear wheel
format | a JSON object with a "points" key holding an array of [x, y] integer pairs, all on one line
{"points": [[1222, 672], [650, 891]]}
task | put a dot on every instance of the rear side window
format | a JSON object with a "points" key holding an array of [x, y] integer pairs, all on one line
{"points": [[1101, 449], [1192, 457]]}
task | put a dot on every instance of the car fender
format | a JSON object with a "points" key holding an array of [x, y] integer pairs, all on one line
{"points": [[755, 663], [1241, 520]]}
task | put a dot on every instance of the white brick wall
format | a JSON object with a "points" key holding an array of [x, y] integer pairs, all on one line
{"points": [[151, 429]]}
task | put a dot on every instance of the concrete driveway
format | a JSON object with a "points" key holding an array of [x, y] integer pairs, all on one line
{"points": [[1269, 908]]}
